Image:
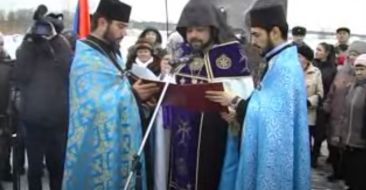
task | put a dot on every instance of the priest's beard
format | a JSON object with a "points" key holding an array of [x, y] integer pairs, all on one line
{"points": [[199, 46], [110, 38], [268, 48]]}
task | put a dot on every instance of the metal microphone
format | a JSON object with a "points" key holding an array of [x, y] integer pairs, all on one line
{"points": [[181, 60], [196, 52], [178, 64]]}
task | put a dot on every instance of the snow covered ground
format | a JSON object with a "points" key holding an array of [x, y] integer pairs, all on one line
{"points": [[318, 178]]}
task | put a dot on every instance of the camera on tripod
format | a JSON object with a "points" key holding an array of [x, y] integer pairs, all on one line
{"points": [[46, 26], [43, 29]]}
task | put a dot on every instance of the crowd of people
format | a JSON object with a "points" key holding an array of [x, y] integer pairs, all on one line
{"points": [[81, 111], [336, 110]]}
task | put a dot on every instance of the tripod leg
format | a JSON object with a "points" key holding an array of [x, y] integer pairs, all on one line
{"points": [[16, 176], [138, 177]]}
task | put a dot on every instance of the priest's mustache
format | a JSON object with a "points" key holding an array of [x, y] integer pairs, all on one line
{"points": [[196, 44]]}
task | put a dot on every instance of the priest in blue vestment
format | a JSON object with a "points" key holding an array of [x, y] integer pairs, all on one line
{"points": [[105, 127], [274, 148], [204, 147]]}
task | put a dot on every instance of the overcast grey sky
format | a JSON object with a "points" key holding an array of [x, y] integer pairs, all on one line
{"points": [[314, 14]]}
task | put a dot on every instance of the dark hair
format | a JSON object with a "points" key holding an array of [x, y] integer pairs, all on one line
{"points": [[283, 29], [305, 51], [94, 20], [156, 31], [331, 52]]}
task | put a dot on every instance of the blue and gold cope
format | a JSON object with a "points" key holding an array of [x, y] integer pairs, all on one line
{"points": [[104, 127]]}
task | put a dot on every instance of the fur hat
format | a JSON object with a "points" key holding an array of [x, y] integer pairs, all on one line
{"points": [[143, 44], [361, 60], [358, 47]]}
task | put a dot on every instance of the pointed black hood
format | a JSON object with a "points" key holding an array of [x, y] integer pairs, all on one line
{"points": [[203, 13]]}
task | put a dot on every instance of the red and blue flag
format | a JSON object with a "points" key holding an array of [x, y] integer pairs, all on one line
{"points": [[81, 23]]}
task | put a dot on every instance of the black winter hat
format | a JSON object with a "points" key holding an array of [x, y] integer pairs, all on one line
{"points": [[343, 29], [268, 17], [114, 10], [306, 51], [298, 31]]}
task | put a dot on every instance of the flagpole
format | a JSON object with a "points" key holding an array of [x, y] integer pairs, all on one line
{"points": [[167, 18]]}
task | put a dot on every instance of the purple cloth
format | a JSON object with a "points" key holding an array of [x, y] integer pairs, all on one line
{"points": [[185, 125]]}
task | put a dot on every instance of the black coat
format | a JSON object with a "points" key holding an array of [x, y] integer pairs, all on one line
{"points": [[5, 85], [364, 122], [328, 71], [42, 75]]}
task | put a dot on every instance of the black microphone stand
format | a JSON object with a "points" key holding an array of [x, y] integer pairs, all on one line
{"points": [[14, 141]]}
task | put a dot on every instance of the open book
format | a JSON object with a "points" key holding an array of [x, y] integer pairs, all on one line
{"points": [[147, 75], [190, 96], [143, 73]]}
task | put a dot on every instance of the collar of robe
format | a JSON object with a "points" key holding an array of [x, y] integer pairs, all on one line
{"points": [[275, 51]]}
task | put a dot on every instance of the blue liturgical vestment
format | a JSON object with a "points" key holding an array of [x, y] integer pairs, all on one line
{"points": [[274, 152], [104, 127]]}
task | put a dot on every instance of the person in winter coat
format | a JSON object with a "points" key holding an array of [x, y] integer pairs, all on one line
{"points": [[143, 56], [314, 86], [334, 106], [5, 130], [343, 36], [352, 136], [325, 62], [153, 36], [42, 76]]}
